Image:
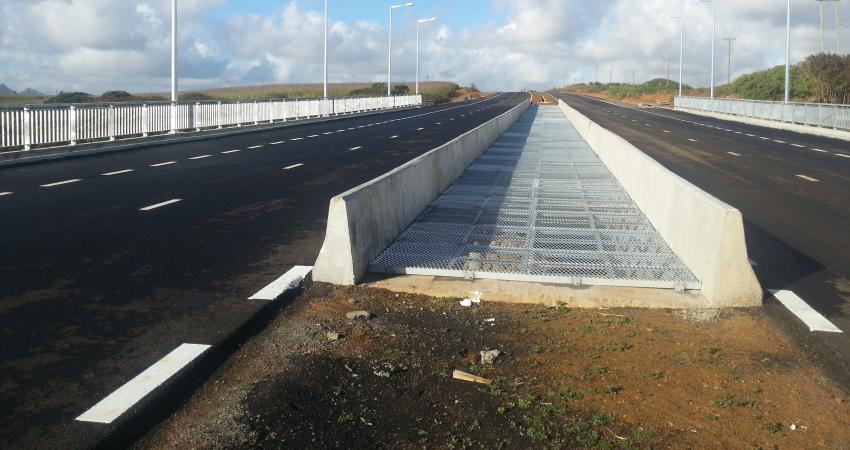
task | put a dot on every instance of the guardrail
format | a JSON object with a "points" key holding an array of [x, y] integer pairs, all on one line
{"points": [[29, 127], [810, 114]]}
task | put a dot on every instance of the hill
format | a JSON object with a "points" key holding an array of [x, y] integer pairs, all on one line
{"points": [[4, 90]]}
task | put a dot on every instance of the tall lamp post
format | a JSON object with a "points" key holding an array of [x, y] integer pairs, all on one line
{"points": [[173, 66], [390, 54], [788, 53], [713, 37], [681, 43], [326, 51], [418, 22]]}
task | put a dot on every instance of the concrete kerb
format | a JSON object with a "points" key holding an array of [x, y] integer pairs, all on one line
{"points": [[805, 129], [706, 234], [363, 221], [63, 152]]}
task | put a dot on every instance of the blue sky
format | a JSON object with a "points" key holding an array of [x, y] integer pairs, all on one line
{"points": [[99, 45]]}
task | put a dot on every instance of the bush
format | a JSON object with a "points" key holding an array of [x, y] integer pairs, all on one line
{"points": [[71, 97]]}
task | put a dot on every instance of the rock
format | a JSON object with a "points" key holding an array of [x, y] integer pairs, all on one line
{"points": [[489, 356], [332, 336], [793, 426], [358, 315]]}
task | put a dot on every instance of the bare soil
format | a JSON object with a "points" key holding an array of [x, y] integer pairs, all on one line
{"points": [[649, 99], [565, 379]]}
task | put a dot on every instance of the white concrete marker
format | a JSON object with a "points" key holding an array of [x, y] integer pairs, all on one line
{"points": [[118, 172], [255, 146], [292, 166], [164, 164], [819, 150], [201, 157], [798, 145], [60, 183], [230, 151], [814, 180], [801, 309], [3, 194], [733, 153], [355, 148], [118, 402], [290, 280], [160, 205]]}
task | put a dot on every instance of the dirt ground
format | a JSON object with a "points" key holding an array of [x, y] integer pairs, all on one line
{"points": [[649, 99], [565, 379]]}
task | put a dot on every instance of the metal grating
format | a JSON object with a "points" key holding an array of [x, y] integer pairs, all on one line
{"points": [[538, 205]]}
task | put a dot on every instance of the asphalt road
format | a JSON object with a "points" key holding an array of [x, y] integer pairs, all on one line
{"points": [[95, 289], [793, 190]]}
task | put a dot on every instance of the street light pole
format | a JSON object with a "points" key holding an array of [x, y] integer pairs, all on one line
{"points": [[173, 66], [418, 22], [390, 54], [788, 53], [681, 19], [729, 67], [326, 50], [713, 41], [837, 27]]}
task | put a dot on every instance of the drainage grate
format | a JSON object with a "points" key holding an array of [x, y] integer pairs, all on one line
{"points": [[540, 206]]}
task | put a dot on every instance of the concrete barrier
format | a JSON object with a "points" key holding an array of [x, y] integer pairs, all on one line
{"points": [[776, 125], [707, 234], [364, 221]]}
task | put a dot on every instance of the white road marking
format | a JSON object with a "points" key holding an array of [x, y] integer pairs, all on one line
{"points": [[798, 145], [439, 123], [292, 166], [733, 153], [814, 180], [201, 157], [419, 129], [648, 125], [355, 148], [339, 131], [819, 150], [842, 155], [122, 399], [352, 128], [779, 142], [117, 172], [296, 139], [164, 164], [3, 194], [666, 131], [362, 126], [277, 143], [634, 120], [751, 135], [329, 132], [313, 136], [394, 137], [160, 205], [290, 280], [693, 140], [739, 132], [230, 151], [764, 138], [60, 183], [255, 146], [753, 263], [801, 309]]}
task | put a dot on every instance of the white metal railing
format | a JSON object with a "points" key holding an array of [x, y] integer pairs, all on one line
{"points": [[812, 114], [28, 127]]}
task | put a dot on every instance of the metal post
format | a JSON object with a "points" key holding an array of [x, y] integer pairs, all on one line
{"points": [[326, 49], [713, 41], [788, 53], [820, 18], [27, 128], [837, 27], [390, 51], [681, 46], [72, 125], [110, 122], [418, 22], [173, 66], [729, 67], [145, 121]]}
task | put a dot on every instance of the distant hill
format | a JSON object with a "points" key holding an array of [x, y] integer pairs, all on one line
{"points": [[6, 90], [30, 92]]}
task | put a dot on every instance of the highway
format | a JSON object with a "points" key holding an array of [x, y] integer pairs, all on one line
{"points": [[110, 262], [792, 189]]}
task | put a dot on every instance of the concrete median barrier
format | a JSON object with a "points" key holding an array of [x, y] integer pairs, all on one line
{"points": [[706, 234], [363, 221]]}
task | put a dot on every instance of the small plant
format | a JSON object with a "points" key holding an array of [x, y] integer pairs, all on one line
{"points": [[729, 401], [712, 417], [345, 418], [600, 369], [657, 375], [525, 401], [538, 349], [587, 329], [773, 427], [624, 320], [614, 388], [569, 393], [642, 434]]}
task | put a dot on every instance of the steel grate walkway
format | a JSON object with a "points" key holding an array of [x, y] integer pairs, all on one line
{"points": [[539, 206]]}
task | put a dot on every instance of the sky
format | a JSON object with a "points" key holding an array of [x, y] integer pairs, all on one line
{"points": [[500, 45]]}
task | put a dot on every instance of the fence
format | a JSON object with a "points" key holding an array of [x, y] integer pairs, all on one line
{"points": [[812, 114], [28, 127]]}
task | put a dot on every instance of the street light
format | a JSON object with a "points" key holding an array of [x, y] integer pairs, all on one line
{"points": [[681, 43], [788, 53], [418, 22], [713, 37], [390, 55], [173, 66], [326, 50]]}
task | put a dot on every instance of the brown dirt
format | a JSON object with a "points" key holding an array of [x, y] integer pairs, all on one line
{"points": [[538, 98], [651, 99], [464, 94], [566, 379]]}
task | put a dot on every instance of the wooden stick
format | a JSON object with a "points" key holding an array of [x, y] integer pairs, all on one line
{"points": [[459, 375]]}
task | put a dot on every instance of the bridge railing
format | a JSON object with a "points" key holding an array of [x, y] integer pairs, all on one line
{"points": [[24, 128], [811, 114]]}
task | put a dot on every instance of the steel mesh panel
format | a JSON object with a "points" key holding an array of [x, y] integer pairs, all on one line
{"points": [[538, 205]]}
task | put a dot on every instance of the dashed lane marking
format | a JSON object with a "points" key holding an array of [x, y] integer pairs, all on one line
{"points": [[734, 154], [798, 145], [813, 180], [200, 157], [693, 140], [779, 142], [3, 194], [117, 172], [160, 205], [60, 183], [230, 151], [255, 146], [122, 399], [355, 148], [329, 132], [292, 166], [312, 136], [813, 319], [842, 155], [277, 143], [296, 139], [819, 150], [394, 137], [290, 280], [164, 164], [419, 129], [666, 131]]}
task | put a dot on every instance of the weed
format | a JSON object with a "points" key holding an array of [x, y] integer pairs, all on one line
{"points": [[657, 375], [570, 393], [587, 329], [534, 363], [345, 418], [624, 320], [600, 369], [538, 349], [525, 401], [729, 401], [614, 388], [642, 434], [620, 346], [773, 427], [712, 417]]}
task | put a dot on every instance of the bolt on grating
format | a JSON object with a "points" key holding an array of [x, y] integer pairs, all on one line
{"points": [[538, 205]]}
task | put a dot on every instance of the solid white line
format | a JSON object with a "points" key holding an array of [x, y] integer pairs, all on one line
{"points": [[808, 178], [693, 140], [290, 280], [801, 309], [160, 205], [230, 151], [798, 145], [255, 146], [164, 164], [201, 157], [119, 172], [3, 194], [277, 143], [733, 153], [394, 137], [819, 150], [122, 399], [60, 183], [842, 155], [355, 148], [292, 166]]}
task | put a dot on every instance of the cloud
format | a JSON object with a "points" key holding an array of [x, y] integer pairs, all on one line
{"points": [[95, 45]]}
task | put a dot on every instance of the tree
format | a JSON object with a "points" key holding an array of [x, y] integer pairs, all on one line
{"points": [[401, 89], [829, 77]]}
